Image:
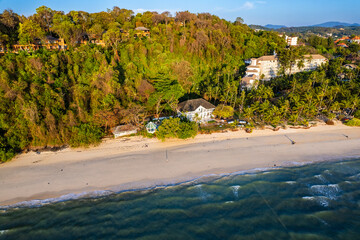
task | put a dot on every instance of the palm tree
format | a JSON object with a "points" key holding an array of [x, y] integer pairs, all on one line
{"points": [[242, 100], [248, 114]]}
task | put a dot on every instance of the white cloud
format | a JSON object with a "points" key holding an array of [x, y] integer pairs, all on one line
{"points": [[248, 5]]}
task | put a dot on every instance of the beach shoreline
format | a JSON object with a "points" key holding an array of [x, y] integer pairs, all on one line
{"points": [[137, 163]]}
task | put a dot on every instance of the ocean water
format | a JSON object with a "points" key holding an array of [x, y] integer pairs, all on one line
{"points": [[316, 201]]}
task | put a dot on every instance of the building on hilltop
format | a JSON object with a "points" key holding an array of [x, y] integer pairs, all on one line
{"points": [[50, 43], [342, 45], [142, 32], [54, 43], [291, 41], [198, 110], [355, 39], [267, 67]]}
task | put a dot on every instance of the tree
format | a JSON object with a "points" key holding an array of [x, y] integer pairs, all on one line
{"points": [[81, 18], [85, 134], [9, 23], [113, 36], [184, 17], [29, 31], [187, 130], [168, 128], [9, 19], [176, 128], [223, 111], [121, 15], [184, 73], [239, 21], [44, 16], [288, 57], [96, 31], [67, 29], [167, 93]]}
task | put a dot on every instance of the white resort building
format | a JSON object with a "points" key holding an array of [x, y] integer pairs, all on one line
{"points": [[198, 110], [267, 67], [291, 41]]}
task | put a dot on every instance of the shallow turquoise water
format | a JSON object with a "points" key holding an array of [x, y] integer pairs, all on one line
{"points": [[317, 201]]}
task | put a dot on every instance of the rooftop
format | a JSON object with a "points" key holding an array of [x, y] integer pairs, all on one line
{"points": [[315, 56], [142, 29], [193, 104], [252, 71], [267, 58], [247, 79], [350, 66]]}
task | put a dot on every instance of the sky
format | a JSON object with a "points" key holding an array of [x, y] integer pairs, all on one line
{"points": [[260, 12]]}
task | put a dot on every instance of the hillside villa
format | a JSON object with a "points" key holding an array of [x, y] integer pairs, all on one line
{"points": [[53, 43], [355, 39], [198, 110], [267, 67], [342, 45], [142, 32]]}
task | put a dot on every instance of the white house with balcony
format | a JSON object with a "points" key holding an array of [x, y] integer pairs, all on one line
{"points": [[198, 110]]}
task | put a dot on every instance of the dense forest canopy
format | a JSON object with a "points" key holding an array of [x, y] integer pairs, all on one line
{"points": [[73, 97]]}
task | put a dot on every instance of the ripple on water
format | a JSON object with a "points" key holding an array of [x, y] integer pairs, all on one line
{"points": [[321, 200], [356, 176], [321, 178], [330, 191], [203, 195]]}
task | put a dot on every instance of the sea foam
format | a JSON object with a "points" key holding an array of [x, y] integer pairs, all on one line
{"points": [[330, 191], [236, 190], [63, 198]]}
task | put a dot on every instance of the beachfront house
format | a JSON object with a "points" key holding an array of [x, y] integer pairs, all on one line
{"points": [[123, 130], [198, 110]]}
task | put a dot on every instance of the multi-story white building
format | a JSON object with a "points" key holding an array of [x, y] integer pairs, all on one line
{"points": [[267, 67], [291, 41]]}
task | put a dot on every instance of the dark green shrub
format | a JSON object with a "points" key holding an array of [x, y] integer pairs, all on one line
{"points": [[85, 135]]}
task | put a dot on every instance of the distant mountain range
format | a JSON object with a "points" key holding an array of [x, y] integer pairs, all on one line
{"points": [[326, 24], [336, 24], [274, 26]]}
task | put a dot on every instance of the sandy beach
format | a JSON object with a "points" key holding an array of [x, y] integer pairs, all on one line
{"points": [[136, 162]]}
